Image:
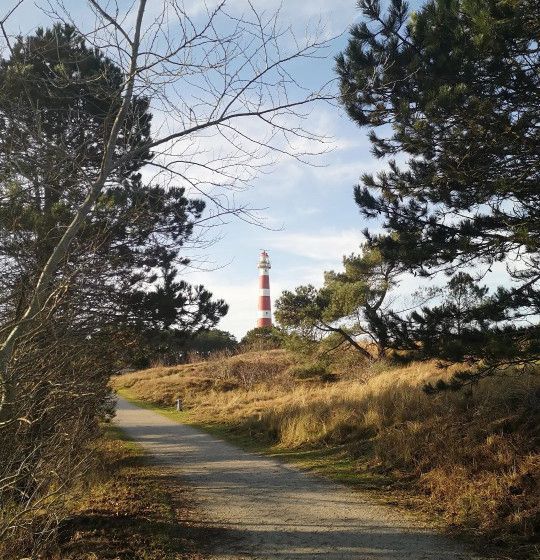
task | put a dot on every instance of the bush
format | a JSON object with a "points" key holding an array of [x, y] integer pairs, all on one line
{"points": [[62, 395], [262, 338], [252, 368]]}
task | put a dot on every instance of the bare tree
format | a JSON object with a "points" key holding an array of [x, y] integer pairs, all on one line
{"points": [[227, 105]]}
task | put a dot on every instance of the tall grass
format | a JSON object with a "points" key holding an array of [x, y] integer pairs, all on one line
{"points": [[471, 456]]}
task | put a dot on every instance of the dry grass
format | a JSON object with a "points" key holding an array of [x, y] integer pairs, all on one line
{"points": [[163, 385], [471, 457], [127, 510]]}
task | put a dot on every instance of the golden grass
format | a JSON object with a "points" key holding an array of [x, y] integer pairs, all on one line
{"points": [[469, 456]]}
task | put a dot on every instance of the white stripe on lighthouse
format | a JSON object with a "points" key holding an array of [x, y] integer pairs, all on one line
{"points": [[264, 291], [264, 314]]}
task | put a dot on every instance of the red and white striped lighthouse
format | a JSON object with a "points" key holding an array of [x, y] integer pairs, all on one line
{"points": [[265, 307]]}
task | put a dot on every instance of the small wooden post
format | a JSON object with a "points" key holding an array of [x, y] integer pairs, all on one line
{"points": [[178, 405]]}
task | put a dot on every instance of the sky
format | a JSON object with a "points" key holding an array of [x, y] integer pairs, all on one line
{"points": [[310, 218], [309, 211]]}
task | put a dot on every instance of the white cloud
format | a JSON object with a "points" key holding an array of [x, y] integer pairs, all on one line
{"points": [[321, 246], [342, 12], [242, 298]]}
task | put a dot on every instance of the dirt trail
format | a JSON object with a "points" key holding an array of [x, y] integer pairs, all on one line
{"points": [[262, 509]]}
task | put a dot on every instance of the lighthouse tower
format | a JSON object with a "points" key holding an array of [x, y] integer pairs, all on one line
{"points": [[265, 308]]}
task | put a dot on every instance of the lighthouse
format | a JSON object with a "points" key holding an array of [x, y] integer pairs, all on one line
{"points": [[265, 308]]}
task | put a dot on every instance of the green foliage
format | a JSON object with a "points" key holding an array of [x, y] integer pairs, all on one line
{"points": [[175, 304], [300, 345], [451, 329], [351, 303], [213, 340], [168, 317], [262, 338], [455, 87], [302, 309], [56, 98]]}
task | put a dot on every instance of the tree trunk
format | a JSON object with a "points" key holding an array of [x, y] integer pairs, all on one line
{"points": [[350, 340]]}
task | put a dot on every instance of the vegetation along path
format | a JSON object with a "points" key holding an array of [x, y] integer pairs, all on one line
{"points": [[255, 507]]}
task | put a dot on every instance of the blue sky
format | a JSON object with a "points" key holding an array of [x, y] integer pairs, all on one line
{"points": [[309, 213]]}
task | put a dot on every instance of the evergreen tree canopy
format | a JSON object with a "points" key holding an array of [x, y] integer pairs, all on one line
{"points": [[174, 305], [455, 87], [57, 99], [262, 338], [213, 340]]}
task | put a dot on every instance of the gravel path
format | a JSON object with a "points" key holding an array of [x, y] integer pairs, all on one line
{"points": [[260, 508]]}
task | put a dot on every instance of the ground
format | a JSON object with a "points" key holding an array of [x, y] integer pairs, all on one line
{"points": [[467, 459]]}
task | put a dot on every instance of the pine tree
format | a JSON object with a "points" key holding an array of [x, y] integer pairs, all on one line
{"points": [[455, 87], [168, 317], [351, 304]]}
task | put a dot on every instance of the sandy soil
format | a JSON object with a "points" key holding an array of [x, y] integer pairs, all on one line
{"points": [[256, 508]]}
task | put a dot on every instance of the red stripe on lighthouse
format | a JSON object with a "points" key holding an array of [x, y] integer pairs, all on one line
{"points": [[264, 281]]}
